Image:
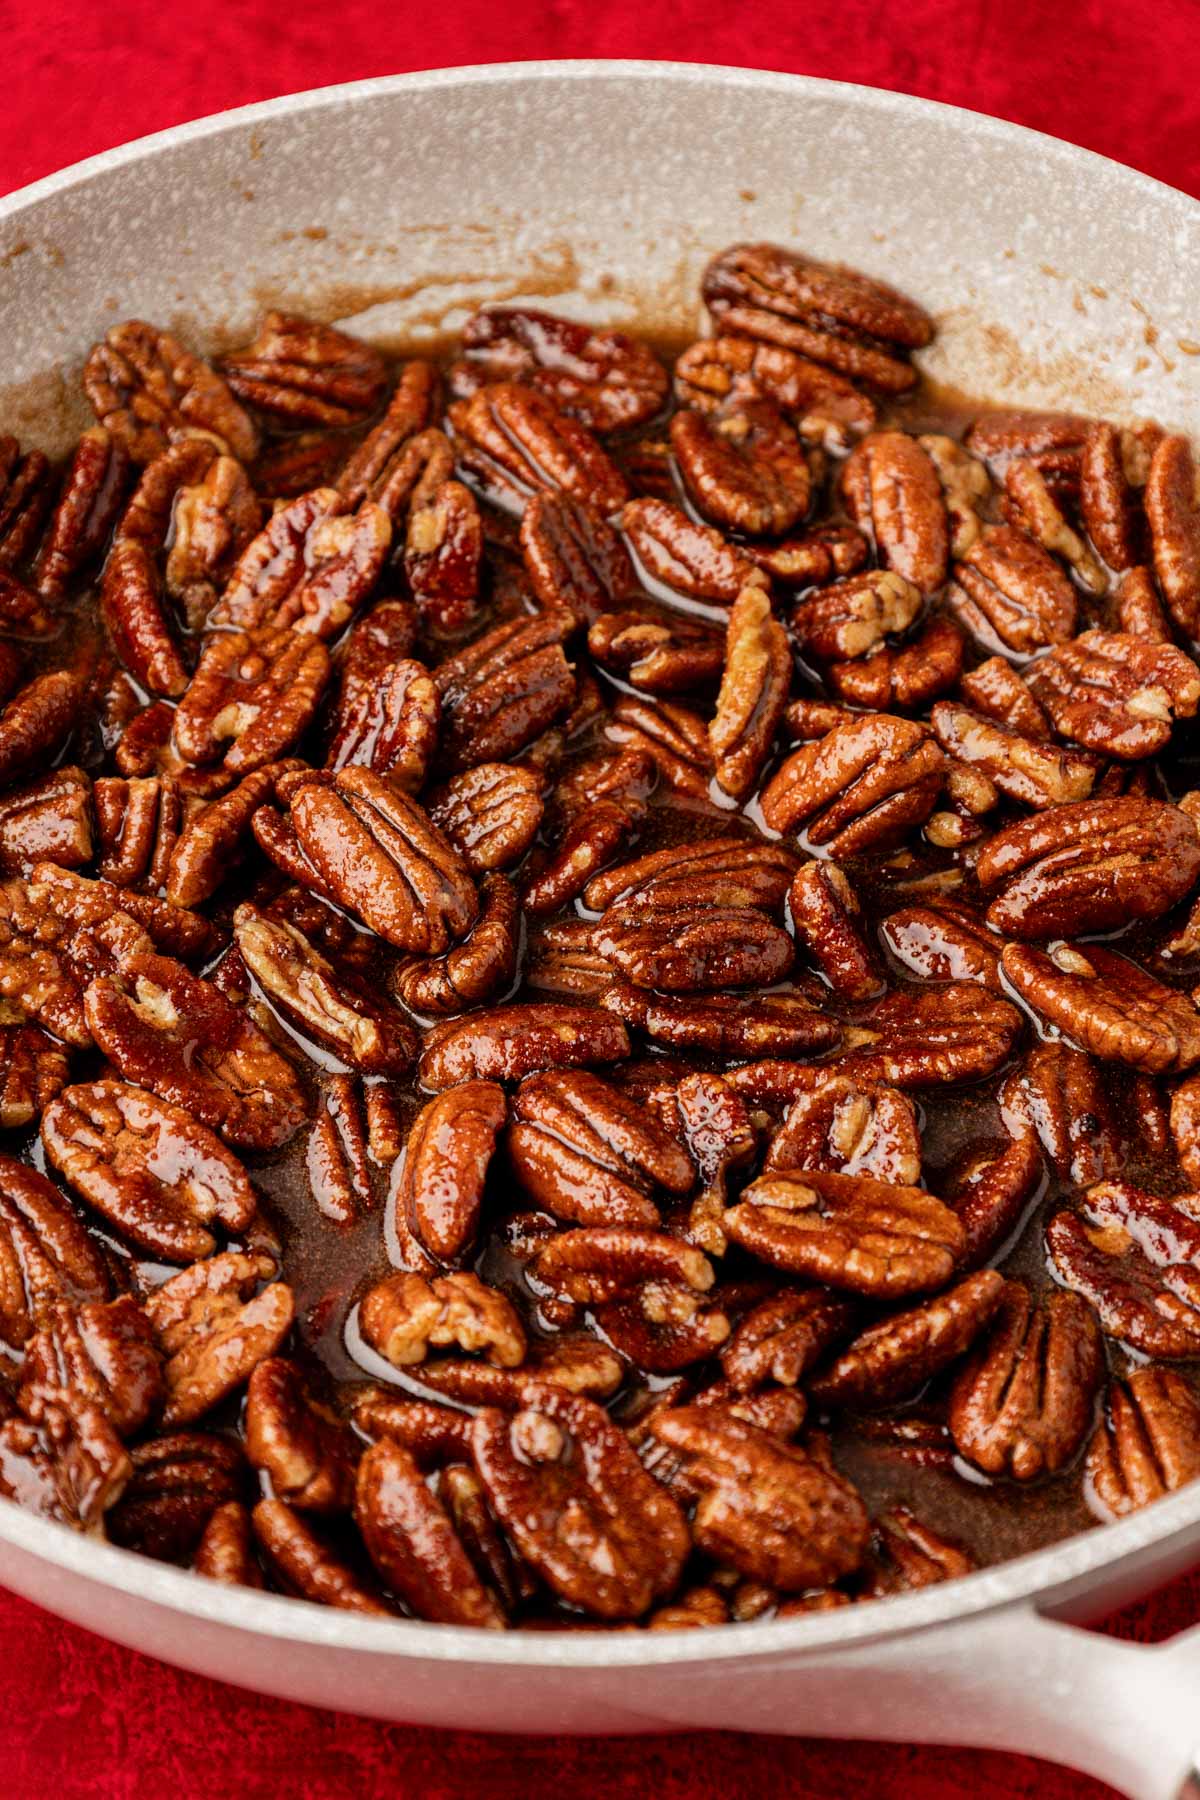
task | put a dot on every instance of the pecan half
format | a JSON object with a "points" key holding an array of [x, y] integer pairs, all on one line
{"points": [[589, 1154], [178, 1482], [1174, 518], [1148, 1444], [214, 1329], [909, 675], [828, 921], [892, 489], [600, 1263], [131, 604], [917, 1040], [213, 522], [406, 1315], [146, 388], [490, 813], [1011, 594], [1117, 694], [849, 1127], [734, 1025], [413, 1545], [674, 950], [389, 725], [45, 1253], [535, 447], [754, 691], [894, 1358], [1029, 504], [503, 692], [48, 820], [743, 468], [1107, 1004], [965, 487], [309, 568], [861, 786], [510, 1042], [907, 1555], [592, 838], [574, 557], [33, 1069], [37, 722], [25, 496], [481, 966], [673, 736], [605, 378], [226, 1548], [307, 1566], [781, 1339], [990, 1193], [719, 871], [685, 556], [808, 558], [1107, 498], [99, 1354], [995, 689], [255, 691], [1025, 769], [92, 492], [944, 942], [409, 411], [825, 408], [302, 372], [305, 1449], [437, 1193], [1057, 1097], [1136, 1258], [657, 652]]}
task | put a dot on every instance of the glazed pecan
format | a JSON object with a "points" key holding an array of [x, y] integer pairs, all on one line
{"points": [[502, 692], [1185, 1128], [442, 552], [909, 675], [389, 725], [765, 1508], [721, 1140], [23, 614], [582, 1365], [253, 691], [1053, 442], [605, 378], [673, 736], [1035, 773], [307, 1566], [895, 1357], [131, 605], [907, 1555], [849, 1231], [45, 1254], [719, 871], [302, 372], [413, 1545], [917, 1040], [25, 496], [158, 1175], [481, 966], [1174, 518], [33, 1068], [733, 1025], [781, 1339], [409, 411], [861, 786], [893, 493], [490, 813], [1117, 694], [1136, 1258], [686, 557], [1148, 1444], [1011, 594], [146, 388], [36, 723], [664, 1326], [825, 408], [214, 1329], [307, 1451], [589, 1154], [833, 314], [87, 509], [561, 961], [226, 1548], [827, 920], [600, 1263], [213, 522], [656, 651], [1022, 1404], [1140, 612], [808, 558], [202, 854], [168, 1030], [592, 838], [147, 518], [849, 1127], [990, 1193], [744, 468], [178, 1482], [309, 568], [437, 1194], [574, 557], [567, 1487], [965, 487], [945, 941], [534, 447], [99, 1354], [677, 950], [406, 1315], [995, 689], [48, 820], [754, 691], [336, 1156], [510, 1042], [1057, 1097], [1029, 504], [1107, 1004]]}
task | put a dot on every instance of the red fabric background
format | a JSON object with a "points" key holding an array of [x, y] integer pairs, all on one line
{"points": [[79, 1717]]}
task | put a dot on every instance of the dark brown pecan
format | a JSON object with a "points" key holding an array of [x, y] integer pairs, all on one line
{"points": [[754, 691], [917, 1040], [910, 675], [656, 651], [825, 408], [434, 1435], [99, 1354], [574, 558], [686, 557], [674, 736], [744, 468], [302, 372], [907, 1556], [22, 613], [48, 820], [475, 970], [45, 1253], [765, 1508], [213, 522], [990, 1193], [92, 492], [827, 920], [167, 1030], [25, 496], [442, 552], [157, 1174], [1022, 1404], [590, 1154], [849, 1231], [379, 853], [1117, 694], [781, 1339], [33, 1068], [861, 786], [307, 1451], [1057, 1097], [581, 1510], [437, 1194], [413, 1544], [146, 388], [37, 722], [214, 1329], [1053, 442], [1148, 1444], [226, 1549], [835, 315], [205, 850], [502, 692], [490, 813], [719, 871], [84, 908], [721, 1140], [409, 412], [1030, 505], [1011, 594], [734, 1025], [1136, 1258], [892, 489], [663, 1327], [1174, 518], [680, 950], [132, 608], [1107, 1004], [582, 1365], [1089, 867], [253, 691], [1108, 499], [510, 1042], [307, 1566], [892, 1359], [945, 941], [592, 838], [561, 961], [605, 378], [389, 724], [178, 1482], [336, 1156], [848, 1126], [534, 447], [406, 1315], [309, 568], [1025, 769]]}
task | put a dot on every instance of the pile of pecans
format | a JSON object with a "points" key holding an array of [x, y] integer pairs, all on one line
{"points": [[597, 965]]}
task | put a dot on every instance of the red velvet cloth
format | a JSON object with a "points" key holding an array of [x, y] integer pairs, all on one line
{"points": [[79, 1717]]}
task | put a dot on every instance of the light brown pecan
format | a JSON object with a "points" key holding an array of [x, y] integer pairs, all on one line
{"points": [[827, 920], [909, 675], [808, 558], [765, 1508], [414, 1546], [851, 1127], [45, 1253], [944, 941], [132, 608], [101, 1354], [753, 694], [684, 556], [1029, 505], [146, 388], [1022, 1404], [33, 1069], [733, 1025], [482, 966], [226, 1548], [37, 722], [25, 495], [678, 950], [674, 736], [656, 651], [309, 568], [1032, 772], [212, 523], [1136, 1258], [1011, 594], [990, 1193], [437, 1193], [302, 372], [307, 1451], [892, 1359], [1108, 499], [604, 378], [849, 1231], [1174, 518], [861, 786], [1140, 612], [574, 557], [744, 468], [157, 1174], [87, 509], [253, 691], [833, 314], [1185, 1128], [781, 1339], [1107, 1005], [509, 1042], [569, 1490], [918, 1040], [1147, 1445], [307, 1566], [490, 813], [177, 1483], [47, 820], [825, 408], [892, 489], [502, 692], [534, 447], [719, 871], [965, 487], [590, 1154], [214, 1329], [1117, 694], [168, 1030], [1057, 1097]]}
